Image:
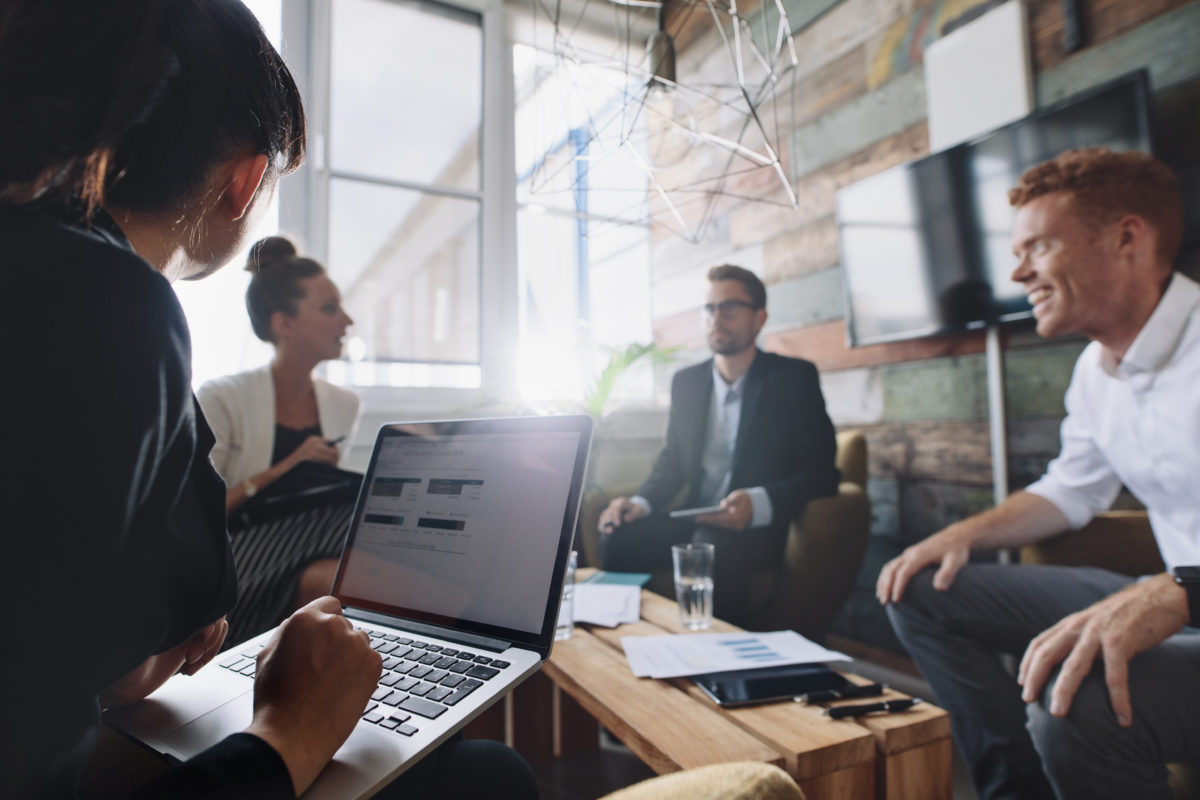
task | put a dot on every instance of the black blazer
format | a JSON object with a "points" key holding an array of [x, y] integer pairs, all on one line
{"points": [[112, 515], [785, 440]]}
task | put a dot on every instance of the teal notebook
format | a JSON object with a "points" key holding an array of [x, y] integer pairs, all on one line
{"points": [[620, 578]]}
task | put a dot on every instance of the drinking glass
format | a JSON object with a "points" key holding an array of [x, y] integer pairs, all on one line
{"points": [[566, 611], [694, 584]]}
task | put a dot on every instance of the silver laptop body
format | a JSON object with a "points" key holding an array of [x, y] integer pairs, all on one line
{"points": [[453, 564]]}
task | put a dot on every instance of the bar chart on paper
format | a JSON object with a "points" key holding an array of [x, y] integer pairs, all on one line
{"points": [[673, 656], [750, 649]]}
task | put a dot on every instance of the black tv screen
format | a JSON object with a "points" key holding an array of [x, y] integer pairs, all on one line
{"points": [[926, 246]]}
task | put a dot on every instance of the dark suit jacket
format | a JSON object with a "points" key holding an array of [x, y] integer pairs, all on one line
{"points": [[785, 440], [112, 515]]}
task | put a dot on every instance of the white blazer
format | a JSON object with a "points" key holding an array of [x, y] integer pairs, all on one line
{"points": [[241, 411]]}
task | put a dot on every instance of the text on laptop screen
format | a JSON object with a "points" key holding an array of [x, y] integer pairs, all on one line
{"points": [[463, 525]]}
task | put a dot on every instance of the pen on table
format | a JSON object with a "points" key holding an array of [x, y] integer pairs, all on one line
{"points": [[824, 696], [889, 706]]}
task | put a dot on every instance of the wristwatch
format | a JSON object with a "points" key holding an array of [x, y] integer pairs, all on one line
{"points": [[250, 489], [1189, 578]]}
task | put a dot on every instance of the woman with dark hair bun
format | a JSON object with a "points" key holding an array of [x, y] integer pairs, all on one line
{"points": [[272, 419], [138, 141]]}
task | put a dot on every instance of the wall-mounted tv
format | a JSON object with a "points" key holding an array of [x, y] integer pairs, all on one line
{"points": [[926, 246]]}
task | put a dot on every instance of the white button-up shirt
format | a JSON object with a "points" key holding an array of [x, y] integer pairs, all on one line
{"points": [[1137, 422]]}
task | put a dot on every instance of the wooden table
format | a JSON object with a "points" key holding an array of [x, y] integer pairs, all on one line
{"points": [[671, 725]]}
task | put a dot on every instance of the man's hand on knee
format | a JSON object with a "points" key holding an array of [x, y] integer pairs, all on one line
{"points": [[1117, 628], [944, 549], [1020, 519]]}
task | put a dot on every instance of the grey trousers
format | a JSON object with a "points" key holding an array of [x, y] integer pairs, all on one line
{"points": [[1019, 751]]}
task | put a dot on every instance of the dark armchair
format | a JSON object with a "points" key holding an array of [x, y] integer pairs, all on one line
{"points": [[824, 551]]}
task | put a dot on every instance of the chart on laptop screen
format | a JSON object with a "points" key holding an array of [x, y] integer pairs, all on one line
{"points": [[424, 513], [451, 525]]}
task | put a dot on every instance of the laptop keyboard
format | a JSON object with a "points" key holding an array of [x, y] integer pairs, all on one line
{"points": [[419, 681]]}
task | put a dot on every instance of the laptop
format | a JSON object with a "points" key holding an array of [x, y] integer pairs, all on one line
{"points": [[453, 564]]}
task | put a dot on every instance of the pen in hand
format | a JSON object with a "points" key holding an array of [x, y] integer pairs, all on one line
{"points": [[338, 440]]}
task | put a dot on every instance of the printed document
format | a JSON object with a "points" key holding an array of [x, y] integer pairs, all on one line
{"points": [[607, 604], [671, 656]]}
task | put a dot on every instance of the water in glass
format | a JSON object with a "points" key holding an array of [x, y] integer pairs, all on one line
{"points": [[694, 584], [695, 596], [566, 611]]}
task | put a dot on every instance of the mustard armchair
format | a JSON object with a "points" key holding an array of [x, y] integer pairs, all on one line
{"points": [[824, 552], [1119, 541], [739, 780]]}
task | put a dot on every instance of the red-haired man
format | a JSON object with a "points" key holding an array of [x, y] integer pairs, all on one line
{"points": [[1106, 691]]}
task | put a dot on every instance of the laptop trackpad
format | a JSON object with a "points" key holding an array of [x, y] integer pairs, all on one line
{"points": [[200, 733], [178, 702], [368, 759]]}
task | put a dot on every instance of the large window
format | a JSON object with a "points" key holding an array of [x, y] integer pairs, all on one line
{"points": [[402, 196], [222, 342], [405, 189], [583, 269], [426, 126]]}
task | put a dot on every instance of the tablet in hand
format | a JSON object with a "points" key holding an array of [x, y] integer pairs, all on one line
{"points": [[683, 513]]}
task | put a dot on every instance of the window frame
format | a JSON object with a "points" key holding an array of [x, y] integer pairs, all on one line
{"points": [[304, 195]]}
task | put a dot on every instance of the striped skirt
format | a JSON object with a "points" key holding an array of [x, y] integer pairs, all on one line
{"points": [[269, 558]]}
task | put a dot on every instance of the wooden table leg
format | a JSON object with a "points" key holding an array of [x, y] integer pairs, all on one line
{"points": [[856, 781], [577, 730], [489, 725], [925, 772], [533, 726]]}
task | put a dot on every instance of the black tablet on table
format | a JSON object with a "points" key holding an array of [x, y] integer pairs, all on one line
{"points": [[768, 684]]}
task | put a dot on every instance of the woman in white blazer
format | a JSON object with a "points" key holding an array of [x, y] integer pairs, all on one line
{"points": [[269, 420]]}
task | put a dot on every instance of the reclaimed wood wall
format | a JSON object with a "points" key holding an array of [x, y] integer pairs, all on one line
{"points": [[861, 102]]}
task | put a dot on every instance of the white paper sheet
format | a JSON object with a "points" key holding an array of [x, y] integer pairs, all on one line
{"points": [[695, 654], [607, 604]]}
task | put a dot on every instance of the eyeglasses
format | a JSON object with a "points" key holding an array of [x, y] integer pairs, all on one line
{"points": [[726, 308]]}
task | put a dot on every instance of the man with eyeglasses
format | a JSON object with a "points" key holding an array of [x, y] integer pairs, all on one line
{"points": [[747, 432]]}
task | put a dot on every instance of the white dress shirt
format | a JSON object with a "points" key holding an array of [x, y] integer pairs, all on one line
{"points": [[724, 416], [1137, 422]]}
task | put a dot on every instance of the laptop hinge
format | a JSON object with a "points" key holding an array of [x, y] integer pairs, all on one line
{"points": [[458, 637]]}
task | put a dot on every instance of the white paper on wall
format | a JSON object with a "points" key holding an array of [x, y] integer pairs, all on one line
{"points": [[978, 77]]}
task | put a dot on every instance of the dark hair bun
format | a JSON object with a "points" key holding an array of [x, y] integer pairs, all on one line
{"points": [[276, 283], [269, 253]]}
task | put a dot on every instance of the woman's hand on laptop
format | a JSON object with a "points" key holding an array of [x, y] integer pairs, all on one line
{"points": [[203, 646], [186, 657], [314, 679]]}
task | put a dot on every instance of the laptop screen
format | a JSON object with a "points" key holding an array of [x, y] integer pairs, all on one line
{"points": [[468, 523]]}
